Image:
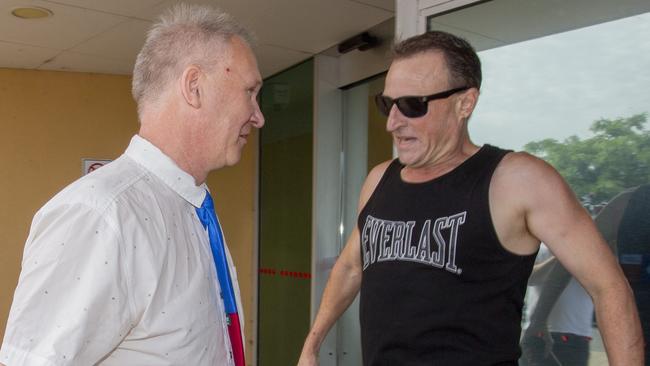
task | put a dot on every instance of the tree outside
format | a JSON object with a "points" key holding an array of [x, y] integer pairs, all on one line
{"points": [[615, 158]]}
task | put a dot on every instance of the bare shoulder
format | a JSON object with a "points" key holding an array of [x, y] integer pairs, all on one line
{"points": [[371, 182], [523, 189], [520, 172], [523, 162], [376, 173]]}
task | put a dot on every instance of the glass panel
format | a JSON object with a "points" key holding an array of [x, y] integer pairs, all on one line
{"points": [[285, 215], [380, 143], [366, 145], [568, 82]]}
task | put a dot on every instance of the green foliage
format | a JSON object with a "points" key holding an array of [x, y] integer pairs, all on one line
{"points": [[616, 157]]}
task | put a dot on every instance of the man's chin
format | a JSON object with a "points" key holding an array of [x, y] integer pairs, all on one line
{"points": [[233, 159], [404, 159]]}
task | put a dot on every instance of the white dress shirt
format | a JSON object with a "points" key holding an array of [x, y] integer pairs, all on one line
{"points": [[117, 270]]}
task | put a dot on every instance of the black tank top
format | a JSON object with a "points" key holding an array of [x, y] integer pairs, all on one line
{"points": [[438, 288]]}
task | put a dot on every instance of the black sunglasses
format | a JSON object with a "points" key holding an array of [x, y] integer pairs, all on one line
{"points": [[411, 106]]}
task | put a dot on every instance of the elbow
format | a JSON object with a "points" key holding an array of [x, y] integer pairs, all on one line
{"points": [[350, 272], [617, 288]]}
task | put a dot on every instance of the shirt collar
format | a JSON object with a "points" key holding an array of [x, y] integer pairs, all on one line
{"points": [[163, 167]]}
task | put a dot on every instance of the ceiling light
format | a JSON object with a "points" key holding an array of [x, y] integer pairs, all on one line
{"points": [[31, 12]]}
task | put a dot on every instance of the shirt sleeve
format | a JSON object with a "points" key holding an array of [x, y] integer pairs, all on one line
{"points": [[71, 304]]}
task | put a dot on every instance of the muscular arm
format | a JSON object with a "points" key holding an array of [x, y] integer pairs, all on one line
{"points": [[552, 214], [344, 281], [553, 277]]}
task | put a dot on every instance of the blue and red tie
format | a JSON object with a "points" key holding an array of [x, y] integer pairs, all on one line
{"points": [[210, 221]]}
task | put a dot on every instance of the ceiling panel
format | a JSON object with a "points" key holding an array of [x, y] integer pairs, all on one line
{"points": [[21, 56], [68, 27], [275, 59], [122, 42], [324, 25], [382, 4], [131, 8], [72, 61], [84, 32], [306, 25]]}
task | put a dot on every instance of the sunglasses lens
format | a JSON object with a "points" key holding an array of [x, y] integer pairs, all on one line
{"points": [[412, 107], [384, 104]]}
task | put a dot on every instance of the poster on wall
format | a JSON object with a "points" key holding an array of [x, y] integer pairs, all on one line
{"points": [[89, 165]]}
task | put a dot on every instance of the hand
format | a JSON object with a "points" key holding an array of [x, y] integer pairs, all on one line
{"points": [[308, 358]]}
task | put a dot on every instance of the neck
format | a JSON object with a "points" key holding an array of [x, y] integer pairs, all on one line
{"points": [[449, 156], [163, 130]]}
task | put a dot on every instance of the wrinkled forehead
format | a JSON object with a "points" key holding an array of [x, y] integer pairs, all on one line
{"points": [[420, 74]]}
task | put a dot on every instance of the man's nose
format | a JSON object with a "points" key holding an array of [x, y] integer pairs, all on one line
{"points": [[258, 118], [395, 119]]}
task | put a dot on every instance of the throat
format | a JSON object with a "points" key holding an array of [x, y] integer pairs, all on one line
{"points": [[426, 173], [438, 168]]}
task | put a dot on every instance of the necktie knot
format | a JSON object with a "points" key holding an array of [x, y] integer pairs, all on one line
{"points": [[206, 210], [207, 202]]}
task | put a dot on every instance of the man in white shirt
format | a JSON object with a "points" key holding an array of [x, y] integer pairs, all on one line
{"points": [[117, 268]]}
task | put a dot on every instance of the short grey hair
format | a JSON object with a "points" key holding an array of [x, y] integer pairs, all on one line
{"points": [[184, 35]]}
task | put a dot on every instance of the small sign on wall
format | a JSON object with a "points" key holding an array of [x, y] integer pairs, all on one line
{"points": [[89, 165]]}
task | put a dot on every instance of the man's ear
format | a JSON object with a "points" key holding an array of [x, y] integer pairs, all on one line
{"points": [[467, 102], [190, 85]]}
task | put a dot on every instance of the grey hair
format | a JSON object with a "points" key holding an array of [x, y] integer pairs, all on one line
{"points": [[183, 35]]}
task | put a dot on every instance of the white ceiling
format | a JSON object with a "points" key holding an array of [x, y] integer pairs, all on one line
{"points": [[104, 36]]}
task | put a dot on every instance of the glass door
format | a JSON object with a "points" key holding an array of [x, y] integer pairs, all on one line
{"points": [[285, 215]]}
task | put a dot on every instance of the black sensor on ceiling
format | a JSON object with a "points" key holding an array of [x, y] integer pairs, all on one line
{"points": [[361, 42]]}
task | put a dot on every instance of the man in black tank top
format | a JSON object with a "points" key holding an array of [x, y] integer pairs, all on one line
{"points": [[447, 234]]}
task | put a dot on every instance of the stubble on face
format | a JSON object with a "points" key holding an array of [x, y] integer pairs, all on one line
{"points": [[420, 141]]}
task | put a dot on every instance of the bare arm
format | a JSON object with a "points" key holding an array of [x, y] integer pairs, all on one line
{"points": [[341, 289], [344, 281], [554, 278], [553, 215]]}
